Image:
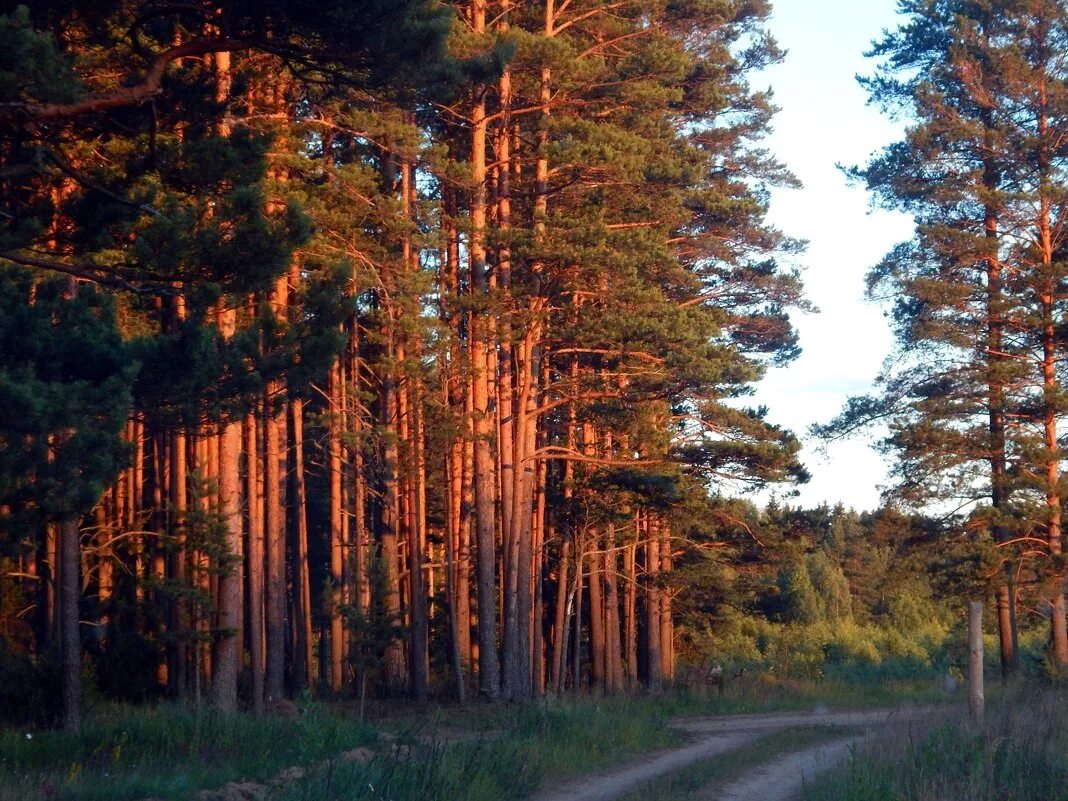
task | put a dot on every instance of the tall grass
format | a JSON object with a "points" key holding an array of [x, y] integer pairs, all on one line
{"points": [[542, 743], [165, 752], [1020, 753], [492, 752]]}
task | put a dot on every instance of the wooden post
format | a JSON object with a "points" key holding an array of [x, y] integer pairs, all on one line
{"points": [[975, 658]]}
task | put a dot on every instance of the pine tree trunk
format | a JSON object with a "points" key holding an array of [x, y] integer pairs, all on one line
{"points": [[336, 425], [512, 678], [597, 650], [417, 558], [69, 597], [302, 641], [254, 494], [274, 491], [452, 546], [180, 568], [576, 647], [667, 629], [484, 473], [613, 649], [228, 604], [630, 615], [1007, 631], [389, 523], [538, 649], [560, 618], [227, 654], [653, 657]]}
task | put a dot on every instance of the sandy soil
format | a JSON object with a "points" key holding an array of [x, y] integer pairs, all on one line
{"points": [[783, 779], [779, 780]]}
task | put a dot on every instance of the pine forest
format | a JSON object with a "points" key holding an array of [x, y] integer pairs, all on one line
{"points": [[376, 366]]}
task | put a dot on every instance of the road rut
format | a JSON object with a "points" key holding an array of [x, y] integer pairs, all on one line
{"points": [[720, 735]]}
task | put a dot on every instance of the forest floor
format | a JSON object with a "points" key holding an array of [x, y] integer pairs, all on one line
{"points": [[480, 752]]}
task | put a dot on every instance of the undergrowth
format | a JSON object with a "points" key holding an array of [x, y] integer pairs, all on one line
{"points": [[1020, 753], [169, 752]]}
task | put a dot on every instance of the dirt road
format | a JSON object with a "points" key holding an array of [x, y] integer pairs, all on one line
{"points": [[779, 780]]}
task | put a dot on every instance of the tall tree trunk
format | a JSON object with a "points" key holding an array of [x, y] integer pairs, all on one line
{"points": [[597, 655], [538, 649], [514, 642], [274, 491], [560, 618], [360, 539], [576, 648], [338, 545], [630, 615], [389, 520], [1051, 387], [227, 654], [254, 494], [69, 596], [613, 649], [484, 473], [653, 657], [302, 640], [999, 490], [417, 557], [227, 648], [180, 568], [458, 474], [667, 628]]}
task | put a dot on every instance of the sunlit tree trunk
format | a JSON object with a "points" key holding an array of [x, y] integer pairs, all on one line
{"points": [[230, 584], [653, 655], [274, 491], [336, 425], [484, 473], [254, 494], [302, 623]]}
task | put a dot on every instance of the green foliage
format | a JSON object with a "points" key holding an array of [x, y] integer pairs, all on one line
{"points": [[29, 689], [31, 68], [65, 393], [373, 631], [813, 593]]}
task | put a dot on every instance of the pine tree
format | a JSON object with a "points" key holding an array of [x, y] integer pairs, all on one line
{"points": [[973, 400]]}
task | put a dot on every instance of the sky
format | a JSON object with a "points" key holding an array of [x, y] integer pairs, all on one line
{"points": [[825, 121]]}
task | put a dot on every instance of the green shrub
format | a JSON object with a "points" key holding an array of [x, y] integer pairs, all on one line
{"points": [[29, 690]]}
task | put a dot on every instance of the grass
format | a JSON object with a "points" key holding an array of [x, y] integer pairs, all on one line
{"points": [[725, 768], [541, 744], [165, 752], [495, 751], [1020, 753]]}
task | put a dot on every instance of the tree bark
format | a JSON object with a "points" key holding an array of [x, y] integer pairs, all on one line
{"points": [[484, 473], [226, 657], [254, 494], [70, 591], [274, 483], [302, 623], [336, 425], [653, 656]]}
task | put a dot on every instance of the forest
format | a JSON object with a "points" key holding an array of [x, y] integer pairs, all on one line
{"points": [[372, 358]]}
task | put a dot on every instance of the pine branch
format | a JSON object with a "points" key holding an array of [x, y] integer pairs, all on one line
{"points": [[136, 95]]}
